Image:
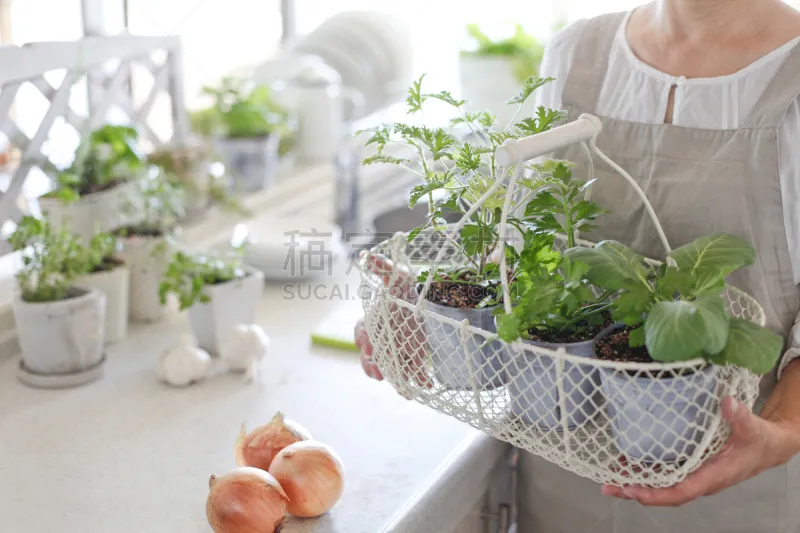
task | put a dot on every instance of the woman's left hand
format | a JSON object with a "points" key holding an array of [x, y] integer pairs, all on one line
{"points": [[755, 445]]}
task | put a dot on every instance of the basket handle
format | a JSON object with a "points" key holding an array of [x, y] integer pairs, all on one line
{"points": [[586, 128]]}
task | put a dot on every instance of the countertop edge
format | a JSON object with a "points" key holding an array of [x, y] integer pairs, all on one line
{"points": [[452, 489]]}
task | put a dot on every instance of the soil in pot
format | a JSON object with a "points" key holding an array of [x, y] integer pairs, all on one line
{"points": [[475, 363], [656, 416], [533, 388]]}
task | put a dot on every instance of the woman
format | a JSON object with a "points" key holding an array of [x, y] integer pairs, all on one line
{"points": [[699, 102]]}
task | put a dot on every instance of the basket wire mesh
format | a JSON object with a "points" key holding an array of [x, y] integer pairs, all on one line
{"points": [[613, 422]]}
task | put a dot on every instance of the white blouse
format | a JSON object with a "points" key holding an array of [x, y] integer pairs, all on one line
{"points": [[636, 92]]}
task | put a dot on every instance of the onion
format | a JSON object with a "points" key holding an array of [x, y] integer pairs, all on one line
{"points": [[246, 500], [311, 474], [260, 446]]}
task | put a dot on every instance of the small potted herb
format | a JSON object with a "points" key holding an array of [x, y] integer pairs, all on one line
{"points": [[454, 174], [148, 245], [104, 173], [109, 274], [493, 69], [246, 123], [59, 324], [554, 307], [220, 293], [672, 314], [192, 169]]}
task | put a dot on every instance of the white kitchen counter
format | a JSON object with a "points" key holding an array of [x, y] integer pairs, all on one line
{"points": [[127, 454]]}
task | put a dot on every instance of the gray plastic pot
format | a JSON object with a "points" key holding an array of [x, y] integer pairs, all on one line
{"points": [[252, 161], [659, 420], [62, 337], [451, 359], [533, 388]]}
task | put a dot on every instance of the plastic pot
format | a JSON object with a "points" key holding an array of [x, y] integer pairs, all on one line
{"points": [[659, 420], [252, 161], [232, 303], [533, 387], [451, 359], [63, 337], [115, 284], [148, 259], [102, 211]]}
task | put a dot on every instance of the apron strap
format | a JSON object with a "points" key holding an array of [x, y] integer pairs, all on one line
{"points": [[781, 92], [590, 62]]}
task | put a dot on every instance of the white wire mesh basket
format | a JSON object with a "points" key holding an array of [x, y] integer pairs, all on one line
{"points": [[613, 422]]}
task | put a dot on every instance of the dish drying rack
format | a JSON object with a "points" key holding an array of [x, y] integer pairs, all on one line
{"points": [[613, 422]]}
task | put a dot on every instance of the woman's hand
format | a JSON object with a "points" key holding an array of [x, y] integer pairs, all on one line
{"points": [[755, 445], [409, 336]]}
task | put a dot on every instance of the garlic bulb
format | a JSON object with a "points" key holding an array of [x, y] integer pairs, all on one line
{"points": [[244, 348], [184, 364]]}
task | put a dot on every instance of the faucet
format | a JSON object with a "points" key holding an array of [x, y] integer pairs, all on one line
{"points": [[347, 192]]}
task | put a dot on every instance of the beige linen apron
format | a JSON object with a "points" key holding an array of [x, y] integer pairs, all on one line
{"points": [[699, 182]]}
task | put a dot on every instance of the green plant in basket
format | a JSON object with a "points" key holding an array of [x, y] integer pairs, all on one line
{"points": [[677, 311], [553, 301], [456, 168], [188, 275], [106, 158]]}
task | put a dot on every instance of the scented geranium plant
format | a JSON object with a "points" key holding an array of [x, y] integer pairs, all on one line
{"points": [[676, 311], [456, 167]]}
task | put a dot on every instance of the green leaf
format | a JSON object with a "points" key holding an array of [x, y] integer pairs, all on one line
{"points": [[711, 309], [415, 98], [468, 160], [528, 87], [544, 120], [636, 338], [508, 327], [419, 191], [674, 331], [674, 282], [721, 251], [612, 265], [446, 97], [751, 346], [708, 281], [475, 238], [383, 158]]}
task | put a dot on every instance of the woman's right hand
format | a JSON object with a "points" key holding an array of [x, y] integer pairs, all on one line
{"points": [[409, 336]]}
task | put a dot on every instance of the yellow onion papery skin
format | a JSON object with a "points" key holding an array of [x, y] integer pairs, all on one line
{"points": [[246, 500], [311, 473], [259, 447]]}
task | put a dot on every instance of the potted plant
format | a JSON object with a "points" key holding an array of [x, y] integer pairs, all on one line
{"points": [[148, 245], [59, 325], [246, 123], [672, 313], [88, 193], [554, 307], [109, 274], [219, 291], [191, 168], [493, 69], [454, 174]]}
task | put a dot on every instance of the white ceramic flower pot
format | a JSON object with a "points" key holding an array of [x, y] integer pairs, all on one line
{"points": [[115, 284], [148, 259], [533, 388], [487, 82], [253, 162], [99, 212], [452, 359], [63, 337], [232, 303]]}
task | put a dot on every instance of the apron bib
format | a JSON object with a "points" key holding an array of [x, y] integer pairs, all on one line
{"points": [[699, 182]]}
